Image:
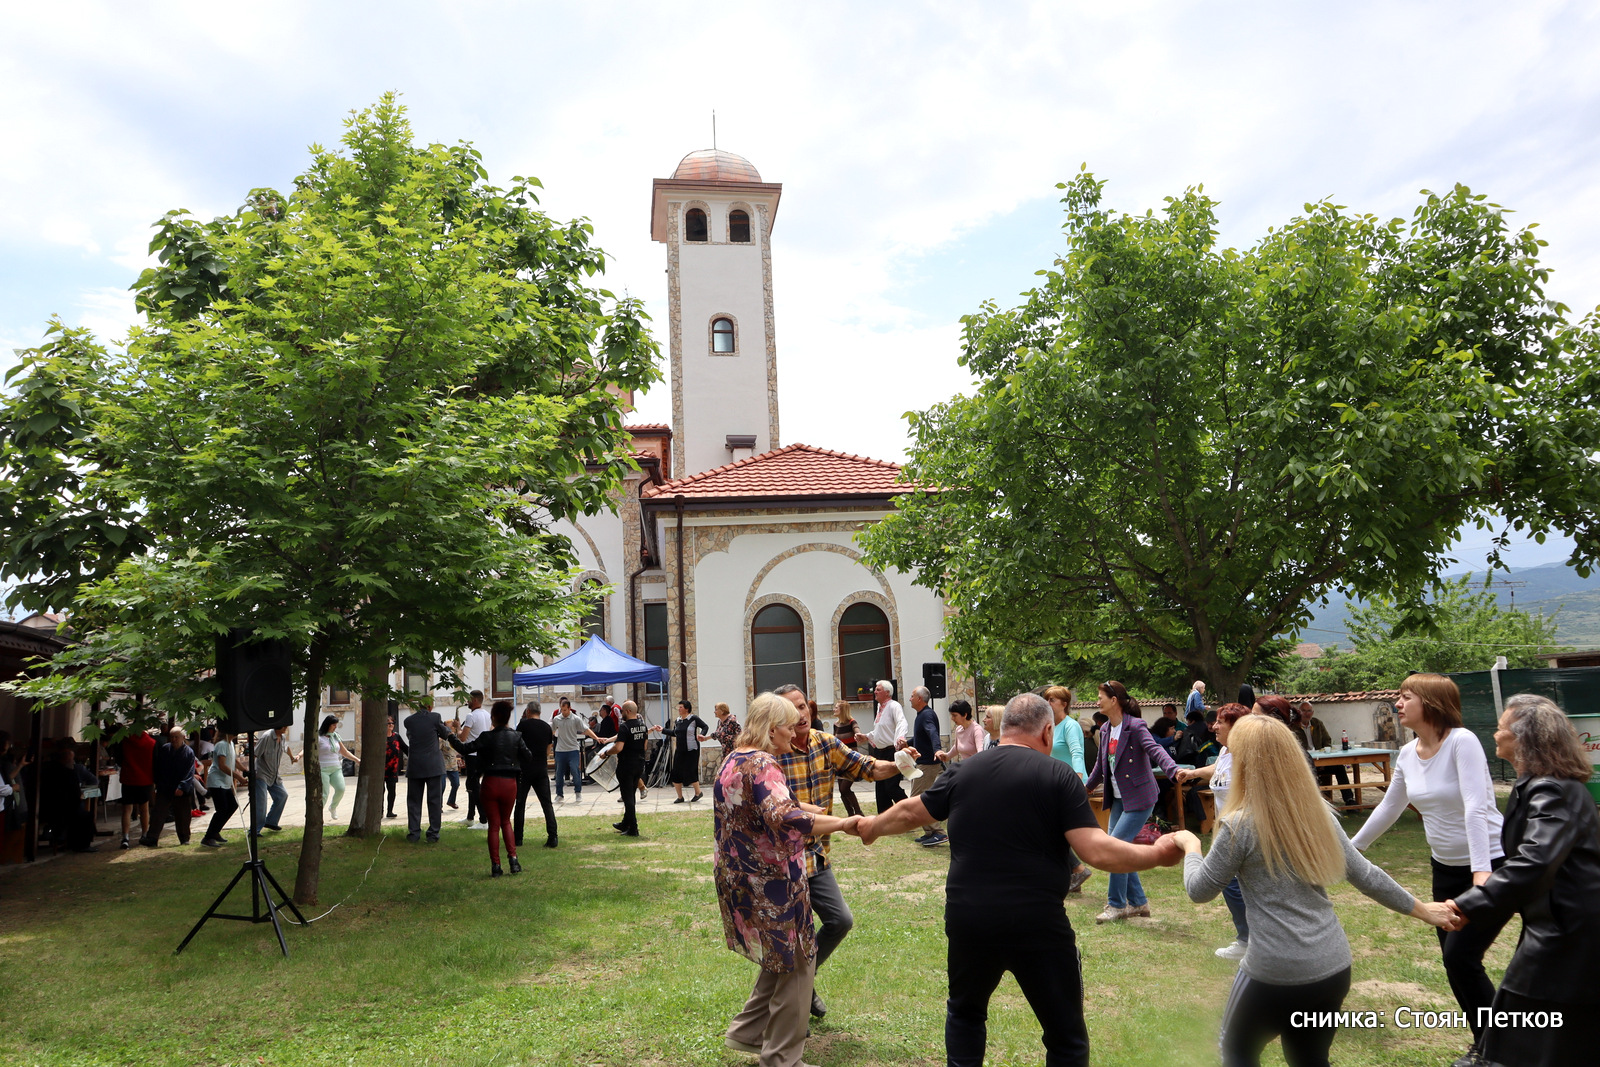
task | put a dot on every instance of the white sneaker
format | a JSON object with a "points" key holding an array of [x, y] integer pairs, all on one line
{"points": [[1234, 951], [466, 822], [481, 826]]}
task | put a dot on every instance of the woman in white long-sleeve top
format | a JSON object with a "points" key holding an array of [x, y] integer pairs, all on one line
{"points": [[1285, 845], [1445, 776]]}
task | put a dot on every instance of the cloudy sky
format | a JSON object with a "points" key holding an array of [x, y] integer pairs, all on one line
{"points": [[918, 144]]}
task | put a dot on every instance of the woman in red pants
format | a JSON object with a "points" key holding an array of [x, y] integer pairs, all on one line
{"points": [[500, 751]]}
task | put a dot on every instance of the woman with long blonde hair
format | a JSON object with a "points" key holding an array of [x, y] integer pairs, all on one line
{"points": [[1278, 837]]}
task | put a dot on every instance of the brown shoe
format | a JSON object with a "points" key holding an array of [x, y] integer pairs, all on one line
{"points": [[1111, 915], [1140, 911]]}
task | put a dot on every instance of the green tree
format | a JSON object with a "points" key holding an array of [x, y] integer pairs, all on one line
{"points": [[1468, 630], [350, 418], [1173, 447]]}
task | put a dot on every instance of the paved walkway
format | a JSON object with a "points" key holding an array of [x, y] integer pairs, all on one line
{"points": [[595, 801]]}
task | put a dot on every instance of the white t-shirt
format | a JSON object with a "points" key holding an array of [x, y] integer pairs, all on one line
{"points": [[476, 723], [1222, 778], [328, 750], [1454, 793], [1116, 744]]}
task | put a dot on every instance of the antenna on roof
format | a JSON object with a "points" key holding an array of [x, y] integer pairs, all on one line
{"points": [[713, 129]]}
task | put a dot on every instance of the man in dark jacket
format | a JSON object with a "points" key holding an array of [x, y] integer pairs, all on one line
{"points": [[173, 770], [425, 770], [535, 772]]}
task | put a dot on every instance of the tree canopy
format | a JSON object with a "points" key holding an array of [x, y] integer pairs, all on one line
{"points": [[350, 418], [1173, 448]]}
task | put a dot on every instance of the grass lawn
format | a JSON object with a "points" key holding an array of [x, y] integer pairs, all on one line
{"points": [[607, 951]]}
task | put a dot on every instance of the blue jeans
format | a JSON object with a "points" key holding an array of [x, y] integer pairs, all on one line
{"points": [[1126, 891], [280, 797], [1234, 897], [569, 761]]}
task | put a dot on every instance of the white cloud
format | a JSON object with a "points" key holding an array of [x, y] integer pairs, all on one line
{"points": [[896, 129]]}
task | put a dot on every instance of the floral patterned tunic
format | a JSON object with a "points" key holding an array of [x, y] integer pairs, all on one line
{"points": [[760, 863], [726, 733]]}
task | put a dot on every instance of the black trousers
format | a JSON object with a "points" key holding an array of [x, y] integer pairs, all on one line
{"points": [[1464, 948], [888, 790], [1043, 958], [474, 804], [1258, 1012], [628, 772], [414, 789], [226, 804], [162, 804], [539, 781], [389, 787]]}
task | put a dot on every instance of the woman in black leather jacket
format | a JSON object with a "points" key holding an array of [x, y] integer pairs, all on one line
{"points": [[501, 752], [1551, 989]]}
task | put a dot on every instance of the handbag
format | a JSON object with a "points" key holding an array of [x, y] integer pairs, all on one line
{"points": [[1148, 834]]}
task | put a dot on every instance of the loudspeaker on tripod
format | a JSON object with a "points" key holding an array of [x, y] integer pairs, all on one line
{"points": [[256, 682], [933, 678]]}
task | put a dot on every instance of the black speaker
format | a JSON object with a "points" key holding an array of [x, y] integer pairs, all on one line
{"points": [[257, 686], [933, 679]]}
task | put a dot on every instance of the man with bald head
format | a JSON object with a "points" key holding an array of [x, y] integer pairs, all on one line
{"points": [[172, 767], [817, 759], [1013, 814]]}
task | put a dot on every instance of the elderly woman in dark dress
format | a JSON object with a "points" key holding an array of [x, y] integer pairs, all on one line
{"points": [[687, 732], [761, 882], [1551, 875]]}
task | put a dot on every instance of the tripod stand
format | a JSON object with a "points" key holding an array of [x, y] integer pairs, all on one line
{"points": [[262, 884]]}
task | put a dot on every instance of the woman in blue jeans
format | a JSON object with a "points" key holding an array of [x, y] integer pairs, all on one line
{"points": [[1220, 777], [1127, 755]]}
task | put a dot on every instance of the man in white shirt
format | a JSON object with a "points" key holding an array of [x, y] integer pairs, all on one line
{"points": [[889, 732], [473, 723]]}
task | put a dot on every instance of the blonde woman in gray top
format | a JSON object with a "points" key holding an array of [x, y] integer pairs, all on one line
{"points": [[1278, 837]]}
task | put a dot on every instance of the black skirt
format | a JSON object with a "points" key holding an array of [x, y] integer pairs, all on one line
{"points": [[685, 765]]}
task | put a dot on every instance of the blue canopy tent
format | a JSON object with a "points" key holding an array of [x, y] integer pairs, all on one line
{"points": [[597, 663]]}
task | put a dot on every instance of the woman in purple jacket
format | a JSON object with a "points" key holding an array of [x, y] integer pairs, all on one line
{"points": [[1127, 752]]}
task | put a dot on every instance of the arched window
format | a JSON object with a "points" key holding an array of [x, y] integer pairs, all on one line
{"points": [[863, 650], [722, 336], [739, 227], [694, 225], [594, 617], [777, 648]]}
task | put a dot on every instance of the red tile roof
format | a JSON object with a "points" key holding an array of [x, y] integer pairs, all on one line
{"points": [[793, 471], [639, 426]]}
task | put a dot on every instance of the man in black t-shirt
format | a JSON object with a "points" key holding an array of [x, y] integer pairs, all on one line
{"points": [[535, 773], [1013, 812], [630, 764]]}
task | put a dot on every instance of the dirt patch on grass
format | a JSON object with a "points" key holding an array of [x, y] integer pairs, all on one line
{"points": [[1388, 994]]}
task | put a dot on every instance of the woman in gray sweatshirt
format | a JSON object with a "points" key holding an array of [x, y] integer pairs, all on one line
{"points": [[1284, 845]]}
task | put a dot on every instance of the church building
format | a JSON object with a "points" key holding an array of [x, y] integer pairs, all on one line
{"points": [[730, 554]]}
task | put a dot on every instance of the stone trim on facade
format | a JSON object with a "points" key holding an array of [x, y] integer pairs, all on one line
{"points": [[755, 225], [598, 558], [675, 337], [763, 221], [814, 546], [748, 643]]}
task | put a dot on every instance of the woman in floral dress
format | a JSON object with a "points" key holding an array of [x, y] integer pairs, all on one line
{"points": [[761, 883]]}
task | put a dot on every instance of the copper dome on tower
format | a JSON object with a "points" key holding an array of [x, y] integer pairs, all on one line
{"points": [[715, 165]]}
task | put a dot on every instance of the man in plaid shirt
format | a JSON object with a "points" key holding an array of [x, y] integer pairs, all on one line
{"points": [[810, 769]]}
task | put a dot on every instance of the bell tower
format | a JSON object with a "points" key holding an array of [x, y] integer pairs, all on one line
{"points": [[715, 217]]}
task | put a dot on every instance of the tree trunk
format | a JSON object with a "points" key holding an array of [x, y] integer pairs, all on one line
{"points": [[366, 815], [310, 871]]}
